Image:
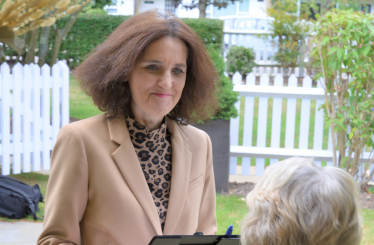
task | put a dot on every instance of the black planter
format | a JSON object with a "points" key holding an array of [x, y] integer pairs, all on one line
{"points": [[219, 133]]}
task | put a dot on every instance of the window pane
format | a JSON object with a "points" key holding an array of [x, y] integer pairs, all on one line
{"points": [[244, 6], [229, 10]]}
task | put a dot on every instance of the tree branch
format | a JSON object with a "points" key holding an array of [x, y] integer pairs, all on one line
{"points": [[61, 34]]}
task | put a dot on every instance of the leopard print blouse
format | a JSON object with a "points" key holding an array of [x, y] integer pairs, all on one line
{"points": [[153, 149]]}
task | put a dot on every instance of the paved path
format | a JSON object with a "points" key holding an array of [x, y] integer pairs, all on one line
{"points": [[19, 233]]}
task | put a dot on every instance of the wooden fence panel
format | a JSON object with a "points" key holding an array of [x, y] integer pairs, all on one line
{"points": [[5, 117], [46, 116], [234, 128], [261, 127], [307, 94], [64, 93], [36, 115], [318, 124], [305, 117], [56, 112], [26, 102], [16, 117], [248, 122], [276, 118], [291, 116], [27, 119]]}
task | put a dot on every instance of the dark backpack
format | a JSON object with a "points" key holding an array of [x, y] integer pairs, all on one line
{"points": [[18, 199]]}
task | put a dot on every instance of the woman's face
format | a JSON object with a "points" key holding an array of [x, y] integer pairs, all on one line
{"points": [[158, 79]]}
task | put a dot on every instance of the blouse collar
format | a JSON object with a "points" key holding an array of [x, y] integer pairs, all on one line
{"points": [[140, 128]]}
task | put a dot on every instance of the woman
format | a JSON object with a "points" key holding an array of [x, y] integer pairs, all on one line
{"points": [[139, 170], [297, 202]]}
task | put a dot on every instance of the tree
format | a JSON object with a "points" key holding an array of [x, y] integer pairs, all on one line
{"points": [[323, 6], [20, 21], [203, 4], [289, 31], [344, 52]]}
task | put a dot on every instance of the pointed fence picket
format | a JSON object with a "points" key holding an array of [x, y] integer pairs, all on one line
{"points": [[34, 112], [298, 120]]}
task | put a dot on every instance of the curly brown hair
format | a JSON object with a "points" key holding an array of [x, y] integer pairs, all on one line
{"points": [[103, 74]]}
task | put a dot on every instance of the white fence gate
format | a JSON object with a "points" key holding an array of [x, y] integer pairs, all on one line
{"points": [[273, 150], [34, 106]]}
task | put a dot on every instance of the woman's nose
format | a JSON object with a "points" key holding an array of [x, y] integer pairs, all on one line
{"points": [[165, 80]]}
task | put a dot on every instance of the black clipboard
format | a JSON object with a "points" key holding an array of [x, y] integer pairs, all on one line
{"points": [[196, 240]]}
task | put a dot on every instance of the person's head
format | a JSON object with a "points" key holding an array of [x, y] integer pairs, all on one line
{"points": [[297, 202], [152, 63]]}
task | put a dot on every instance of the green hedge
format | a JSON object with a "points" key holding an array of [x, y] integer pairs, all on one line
{"points": [[226, 96], [86, 33], [90, 31]]}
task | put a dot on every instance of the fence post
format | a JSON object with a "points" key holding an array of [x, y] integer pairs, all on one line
{"points": [[291, 116], [36, 117], [234, 125], [276, 118], [262, 124], [65, 93], [26, 119], [16, 117], [5, 117], [46, 71], [248, 125]]}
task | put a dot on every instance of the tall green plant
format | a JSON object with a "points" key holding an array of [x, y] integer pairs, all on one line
{"points": [[344, 52]]}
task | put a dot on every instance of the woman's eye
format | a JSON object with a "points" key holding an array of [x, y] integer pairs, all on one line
{"points": [[152, 68], [178, 71]]}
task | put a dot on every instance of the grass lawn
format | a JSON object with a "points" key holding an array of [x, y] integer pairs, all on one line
{"points": [[230, 209], [81, 105]]}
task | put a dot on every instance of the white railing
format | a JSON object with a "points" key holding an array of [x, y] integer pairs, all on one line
{"points": [[34, 106], [300, 103]]}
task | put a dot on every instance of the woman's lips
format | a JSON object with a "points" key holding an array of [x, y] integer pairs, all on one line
{"points": [[162, 95]]}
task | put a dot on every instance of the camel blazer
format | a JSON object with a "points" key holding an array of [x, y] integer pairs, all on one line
{"points": [[97, 193]]}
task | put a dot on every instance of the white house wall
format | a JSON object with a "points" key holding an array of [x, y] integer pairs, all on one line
{"points": [[186, 13], [145, 5], [127, 8], [123, 7], [257, 9]]}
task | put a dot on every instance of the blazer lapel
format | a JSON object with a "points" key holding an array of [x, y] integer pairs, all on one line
{"points": [[180, 175], [128, 163]]}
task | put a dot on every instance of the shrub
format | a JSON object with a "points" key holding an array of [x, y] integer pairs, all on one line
{"points": [[240, 59], [226, 96], [90, 31], [344, 52]]}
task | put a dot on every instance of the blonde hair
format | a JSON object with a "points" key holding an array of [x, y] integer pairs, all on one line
{"points": [[298, 203]]}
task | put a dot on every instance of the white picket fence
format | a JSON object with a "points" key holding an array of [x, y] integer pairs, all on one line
{"points": [[273, 151], [36, 102]]}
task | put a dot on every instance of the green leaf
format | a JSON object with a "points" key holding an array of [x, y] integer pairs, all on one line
{"points": [[355, 54], [365, 50], [340, 53], [350, 136], [325, 40], [350, 22], [333, 50]]}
